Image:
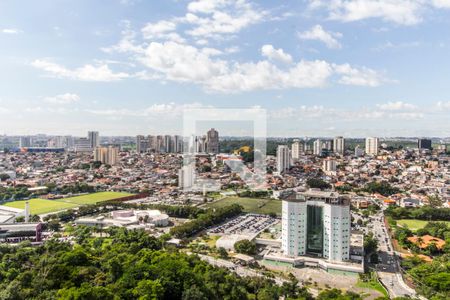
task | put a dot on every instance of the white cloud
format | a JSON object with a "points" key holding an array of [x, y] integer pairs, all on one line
{"points": [[397, 106], [4, 110], [443, 105], [319, 34], [168, 110], [405, 12], [185, 63], [66, 98], [276, 54], [359, 77], [85, 73], [441, 3], [213, 18], [11, 31], [162, 30]]}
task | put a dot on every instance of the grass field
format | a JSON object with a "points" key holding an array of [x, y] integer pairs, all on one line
{"points": [[375, 285], [414, 224], [94, 198], [43, 206], [252, 205]]}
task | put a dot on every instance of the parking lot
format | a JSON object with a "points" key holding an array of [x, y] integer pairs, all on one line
{"points": [[250, 224]]}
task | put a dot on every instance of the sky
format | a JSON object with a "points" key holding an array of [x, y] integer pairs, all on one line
{"points": [[319, 68]]}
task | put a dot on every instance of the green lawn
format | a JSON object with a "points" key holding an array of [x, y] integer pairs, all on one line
{"points": [[43, 206], [252, 205], [414, 224], [373, 284], [95, 197]]}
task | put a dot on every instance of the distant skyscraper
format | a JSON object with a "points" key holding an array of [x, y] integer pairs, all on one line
{"points": [[142, 144], [283, 158], [82, 144], [372, 145], [359, 151], [424, 144], [212, 141], [94, 139], [106, 155], [25, 141], [329, 165], [339, 145], [317, 147], [168, 144], [177, 143], [297, 149]]}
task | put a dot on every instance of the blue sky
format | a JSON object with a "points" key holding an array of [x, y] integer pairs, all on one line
{"points": [[320, 68]]}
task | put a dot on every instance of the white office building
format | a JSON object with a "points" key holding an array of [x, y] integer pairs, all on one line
{"points": [[283, 158], [339, 145], [316, 223], [372, 145]]}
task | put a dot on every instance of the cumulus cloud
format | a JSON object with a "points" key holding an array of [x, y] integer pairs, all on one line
{"points": [[405, 12], [66, 98], [161, 30], [213, 18], [186, 63], [397, 106], [85, 73], [275, 54], [330, 39], [441, 3], [11, 30], [168, 110], [358, 76]]}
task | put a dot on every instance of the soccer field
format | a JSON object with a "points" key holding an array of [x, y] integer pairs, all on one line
{"points": [[415, 224], [43, 206], [95, 197], [251, 205]]}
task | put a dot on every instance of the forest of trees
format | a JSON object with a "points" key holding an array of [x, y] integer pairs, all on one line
{"points": [[129, 265]]}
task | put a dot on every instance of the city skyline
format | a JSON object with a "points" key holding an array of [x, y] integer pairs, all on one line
{"points": [[377, 69]]}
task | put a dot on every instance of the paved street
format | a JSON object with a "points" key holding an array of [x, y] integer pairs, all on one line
{"points": [[388, 267]]}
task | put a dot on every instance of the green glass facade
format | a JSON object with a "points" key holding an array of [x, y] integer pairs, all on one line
{"points": [[314, 234]]}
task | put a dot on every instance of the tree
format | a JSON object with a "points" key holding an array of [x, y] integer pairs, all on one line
{"points": [[54, 225], [245, 247], [4, 177], [435, 201], [222, 252], [317, 183]]}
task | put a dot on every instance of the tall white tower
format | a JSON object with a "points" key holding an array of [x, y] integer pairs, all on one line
{"points": [[339, 145], [317, 147], [283, 158], [372, 145]]}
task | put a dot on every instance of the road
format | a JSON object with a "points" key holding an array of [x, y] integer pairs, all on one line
{"points": [[388, 268]]}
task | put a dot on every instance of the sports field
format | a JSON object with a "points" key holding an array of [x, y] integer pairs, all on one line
{"points": [[251, 205], [414, 224], [43, 206], [95, 197]]}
